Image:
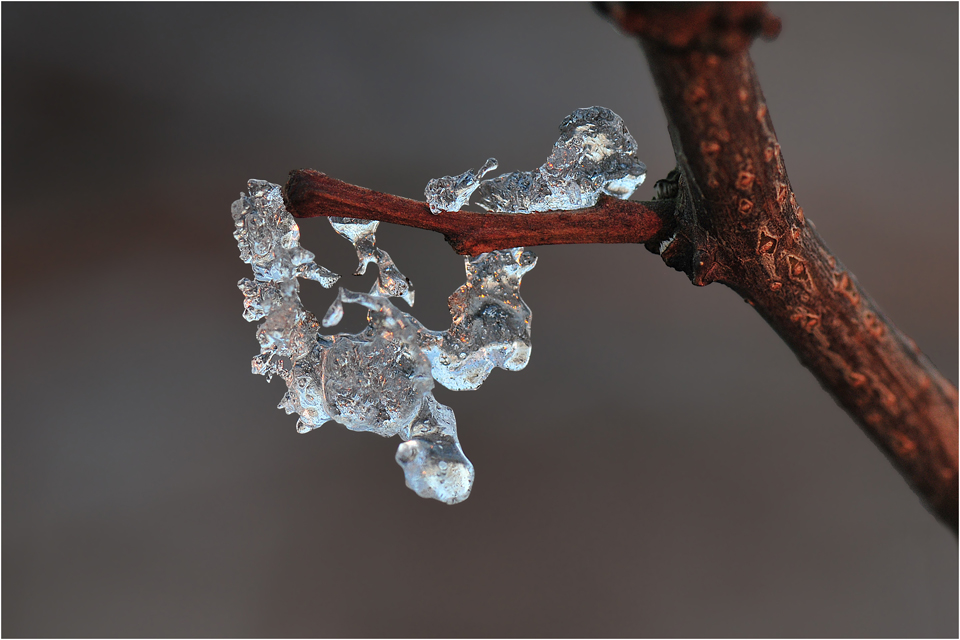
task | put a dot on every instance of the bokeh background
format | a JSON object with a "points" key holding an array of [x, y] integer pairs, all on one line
{"points": [[663, 467]]}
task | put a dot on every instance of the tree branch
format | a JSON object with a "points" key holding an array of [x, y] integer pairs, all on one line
{"points": [[734, 220], [739, 224], [309, 194]]}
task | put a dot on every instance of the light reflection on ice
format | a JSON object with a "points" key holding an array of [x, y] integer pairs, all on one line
{"points": [[381, 379]]}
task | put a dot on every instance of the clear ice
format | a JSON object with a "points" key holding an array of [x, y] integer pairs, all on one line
{"points": [[451, 193], [431, 458], [595, 154], [390, 282], [381, 380], [491, 323]]}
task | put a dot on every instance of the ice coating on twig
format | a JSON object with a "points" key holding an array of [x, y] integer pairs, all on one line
{"points": [[451, 193], [381, 379], [595, 154], [269, 238], [269, 241], [362, 233]]}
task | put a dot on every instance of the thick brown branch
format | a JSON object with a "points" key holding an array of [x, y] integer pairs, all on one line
{"points": [[739, 224], [310, 194]]}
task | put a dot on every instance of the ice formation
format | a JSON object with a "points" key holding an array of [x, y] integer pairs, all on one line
{"points": [[390, 282], [431, 458], [381, 379], [595, 154], [491, 323], [451, 193]]}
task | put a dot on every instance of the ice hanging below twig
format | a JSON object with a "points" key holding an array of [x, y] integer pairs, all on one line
{"points": [[390, 282], [491, 323], [381, 379], [378, 380], [269, 241], [431, 458]]}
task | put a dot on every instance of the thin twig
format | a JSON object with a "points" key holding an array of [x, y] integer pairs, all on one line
{"points": [[309, 194]]}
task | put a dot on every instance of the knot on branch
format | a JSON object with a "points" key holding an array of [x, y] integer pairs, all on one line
{"points": [[718, 27], [690, 248], [668, 188]]}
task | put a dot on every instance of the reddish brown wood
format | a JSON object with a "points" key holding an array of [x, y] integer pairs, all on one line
{"points": [[726, 27], [739, 223], [309, 193]]}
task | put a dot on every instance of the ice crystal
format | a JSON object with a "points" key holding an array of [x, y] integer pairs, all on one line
{"points": [[451, 193], [371, 381], [431, 458], [381, 379], [595, 154], [390, 282], [269, 240], [378, 380], [491, 323]]}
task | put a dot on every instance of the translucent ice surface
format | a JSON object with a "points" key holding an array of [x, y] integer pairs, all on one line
{"points": [[269, 241], [378, 380], [491, 323], [381, 380], [371, 381], [595, 154], [451, 193], [431, 458], [269, 238], [390, 282]]}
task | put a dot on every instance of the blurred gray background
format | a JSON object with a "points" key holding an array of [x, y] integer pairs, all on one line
{"points": [[663, 467]]}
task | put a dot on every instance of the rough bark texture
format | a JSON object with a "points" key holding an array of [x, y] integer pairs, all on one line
{"points": [[309, 193], [726, 27], [739, 224]]}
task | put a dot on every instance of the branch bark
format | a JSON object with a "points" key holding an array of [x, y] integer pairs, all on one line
{"points": [[734, 220], [309, 194], [739, 224]]}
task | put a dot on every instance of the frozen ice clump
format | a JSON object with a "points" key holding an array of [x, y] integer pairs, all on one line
{"points": [[595, 154], [269, 238], [378, 380], [451, 193], [390, 282], [491, 323], [381, 380], [371, 381], [431, 458]]}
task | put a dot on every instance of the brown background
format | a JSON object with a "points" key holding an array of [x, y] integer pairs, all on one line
{"points": [[664, 466]]}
